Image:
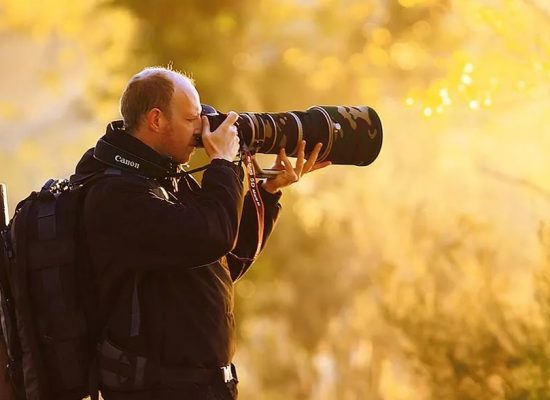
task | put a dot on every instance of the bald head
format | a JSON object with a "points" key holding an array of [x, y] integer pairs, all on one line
{"points": [[151, 88]]}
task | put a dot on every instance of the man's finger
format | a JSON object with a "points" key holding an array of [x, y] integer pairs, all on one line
{"points": [[231, 118], [288, 166], [278, 162], [313, 157], [301, 156], [286, 161], [205, 125], [320, 165]]}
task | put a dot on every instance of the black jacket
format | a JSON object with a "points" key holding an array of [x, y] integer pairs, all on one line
{"points": [[182, 253]]}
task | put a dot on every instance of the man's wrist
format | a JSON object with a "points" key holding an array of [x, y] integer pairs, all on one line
{"points": [[221, 157], [223, 162], [270, 188]]}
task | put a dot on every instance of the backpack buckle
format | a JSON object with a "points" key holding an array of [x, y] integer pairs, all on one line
{"points": [[227, 373]]}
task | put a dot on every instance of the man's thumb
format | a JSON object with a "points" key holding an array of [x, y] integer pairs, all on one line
{"points": [[205, 125]]}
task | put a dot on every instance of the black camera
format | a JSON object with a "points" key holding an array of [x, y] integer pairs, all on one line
{"points": [[351, 135]]}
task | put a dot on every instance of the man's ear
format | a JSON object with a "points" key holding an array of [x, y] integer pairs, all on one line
{"points": [[155, 119]]}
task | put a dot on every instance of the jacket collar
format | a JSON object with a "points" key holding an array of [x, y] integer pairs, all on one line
{"points": [[121, 150]]}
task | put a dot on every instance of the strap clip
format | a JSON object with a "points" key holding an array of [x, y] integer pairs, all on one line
{"points": [[227, 373]]}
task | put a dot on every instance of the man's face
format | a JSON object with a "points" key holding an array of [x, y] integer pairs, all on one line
{"points": [[184, 121]]}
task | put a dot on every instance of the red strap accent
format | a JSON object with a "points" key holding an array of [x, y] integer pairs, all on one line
{"points": [[256, 199]]}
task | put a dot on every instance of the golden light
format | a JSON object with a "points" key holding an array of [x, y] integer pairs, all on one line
{"points": [[378, 282], [428, 112]]}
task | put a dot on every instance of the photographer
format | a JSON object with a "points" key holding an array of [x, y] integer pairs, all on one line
{"points": [[165, 251]]}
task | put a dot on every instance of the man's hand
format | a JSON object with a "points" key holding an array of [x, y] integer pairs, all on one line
{"points": [[292, 175], [224, 141]]}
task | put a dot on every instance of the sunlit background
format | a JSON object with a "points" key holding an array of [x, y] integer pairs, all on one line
{"points": [[423, 276]]}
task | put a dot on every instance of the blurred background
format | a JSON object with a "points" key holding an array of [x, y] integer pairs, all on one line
{"points": [[423, 276]]}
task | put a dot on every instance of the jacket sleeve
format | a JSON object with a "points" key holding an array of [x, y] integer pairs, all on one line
{"points": [[242, 256], [124, 213]]}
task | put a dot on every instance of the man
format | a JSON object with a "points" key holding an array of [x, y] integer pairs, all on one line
{"points": [[165, 253]]}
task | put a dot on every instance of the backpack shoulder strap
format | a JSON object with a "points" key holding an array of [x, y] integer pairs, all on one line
{"points": [[80, 180]]}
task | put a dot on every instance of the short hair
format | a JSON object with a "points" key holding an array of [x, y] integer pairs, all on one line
{"points": [[153, 87]]}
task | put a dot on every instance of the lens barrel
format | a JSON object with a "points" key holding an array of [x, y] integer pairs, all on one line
{"points": [[351, 135]]}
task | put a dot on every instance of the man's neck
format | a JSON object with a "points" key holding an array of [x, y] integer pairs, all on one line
{"points": [[148, 139]]}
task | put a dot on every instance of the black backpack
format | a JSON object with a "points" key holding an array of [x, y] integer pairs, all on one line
{"points": [[47, 301]]}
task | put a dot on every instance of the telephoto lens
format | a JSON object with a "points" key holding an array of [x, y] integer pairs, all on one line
{"points": [[351, 135]]}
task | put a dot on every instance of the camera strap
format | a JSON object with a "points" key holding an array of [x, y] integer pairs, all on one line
{"points": [[256, 198]]}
